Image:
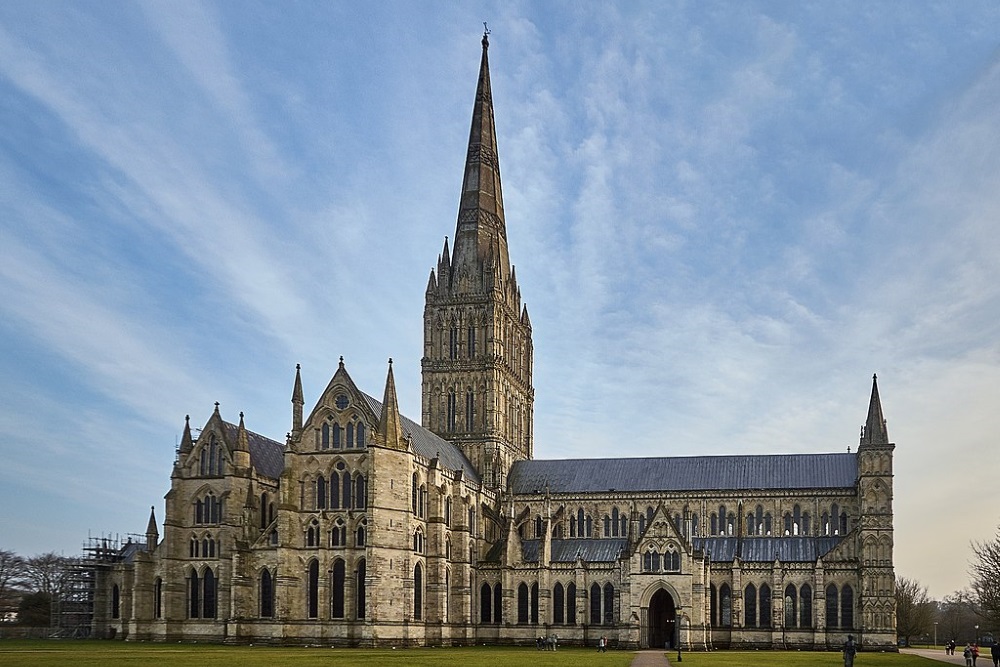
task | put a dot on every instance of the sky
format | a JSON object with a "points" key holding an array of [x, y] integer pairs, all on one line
{"points": [[725, 217]]}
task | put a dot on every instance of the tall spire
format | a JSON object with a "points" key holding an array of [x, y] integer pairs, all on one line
{"points": [[152, 533], [390, 424], [187, 443], [875, 432], [480, 213], [242, 439], [297, 401]]}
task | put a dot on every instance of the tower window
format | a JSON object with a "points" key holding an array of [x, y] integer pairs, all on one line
{"points": [[470, 410], [451, 411]]}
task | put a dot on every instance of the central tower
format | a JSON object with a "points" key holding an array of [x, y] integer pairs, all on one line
{"points": [[477, 360]]}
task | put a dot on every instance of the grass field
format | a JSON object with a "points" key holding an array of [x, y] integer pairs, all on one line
{"points": [[16, 653]]}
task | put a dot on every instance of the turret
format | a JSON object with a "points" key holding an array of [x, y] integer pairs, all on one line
{"points": [[390, 424], [297, 402], [241, 449], [152, 533], [875, 431]]}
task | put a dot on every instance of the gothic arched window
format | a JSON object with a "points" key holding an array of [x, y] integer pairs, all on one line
{"points": [[418, 592], [485, 603], [847, 607], [558, 603], [765, 606], [266, 594], [791, 611], [337, 597], [750, 606], [725, 606], [360, 596], [210, 594], [832, 606], [312, 589]]}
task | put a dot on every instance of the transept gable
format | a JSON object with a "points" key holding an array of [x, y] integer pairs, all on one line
{"points": [[341, 400], [661, 533]]}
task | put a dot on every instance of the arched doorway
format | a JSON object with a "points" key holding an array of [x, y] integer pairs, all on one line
{"points": [[662, 621]]}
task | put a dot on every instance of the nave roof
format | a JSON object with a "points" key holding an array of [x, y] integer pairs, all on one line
{"points": [[685, 473]]}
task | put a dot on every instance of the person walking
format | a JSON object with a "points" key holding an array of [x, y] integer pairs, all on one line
{"points": [[850, 648], [995, 653], [967, 654], [975, 653]]}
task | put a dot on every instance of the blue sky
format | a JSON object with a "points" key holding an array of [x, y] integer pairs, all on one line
{"points": [[724, 216]]}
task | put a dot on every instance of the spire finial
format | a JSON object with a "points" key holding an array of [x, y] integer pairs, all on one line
{"points": [[486, 33], [341, 361], [875, 431], [390, 361]]}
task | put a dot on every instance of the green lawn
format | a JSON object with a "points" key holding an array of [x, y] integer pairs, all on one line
{"points": [[102, 653]]}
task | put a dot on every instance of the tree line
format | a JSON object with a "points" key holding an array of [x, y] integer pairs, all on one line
{"points": [[968, 615], [29, 585]]}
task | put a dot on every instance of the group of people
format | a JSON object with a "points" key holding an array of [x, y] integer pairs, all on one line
{"points": [[602, 644], [547, 643], [971, 653]]}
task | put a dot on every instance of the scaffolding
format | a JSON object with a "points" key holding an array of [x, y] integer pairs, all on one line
{"points": [[73, 611]]}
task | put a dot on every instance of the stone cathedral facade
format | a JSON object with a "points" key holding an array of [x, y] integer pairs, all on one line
{"points": [[364, 528]]}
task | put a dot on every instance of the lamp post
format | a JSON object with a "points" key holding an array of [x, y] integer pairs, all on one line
{"points": [[935, 633], [975, 637], [677, 622]]}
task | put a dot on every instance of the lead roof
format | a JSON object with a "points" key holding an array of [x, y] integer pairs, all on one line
{"points": [[685, 473], [266, 456], [792, 549]]}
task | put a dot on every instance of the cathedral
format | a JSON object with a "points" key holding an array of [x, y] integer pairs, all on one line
{"points": [[366, 528]]}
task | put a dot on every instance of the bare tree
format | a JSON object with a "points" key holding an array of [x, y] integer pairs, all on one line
{"points": [[914, 610], [46, 573], [985, 574], [12, 570], [957, 617]]}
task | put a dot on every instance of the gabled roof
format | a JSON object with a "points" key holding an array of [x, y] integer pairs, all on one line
{"points": [[428, 445], [266, 456], [686, 473], [567, 551], [797, 549]]}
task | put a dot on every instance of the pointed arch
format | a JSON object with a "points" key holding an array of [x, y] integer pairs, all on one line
{"points": [[750, 606], [832, 606], [805, 606], [338, 588], [497, 604], [194, 594], [522, 603], [485, 603], [725, 606], [210, 594], [360, 590], [312, 589], [791, 606], [847, 607], [418, 592], [266, 594]]}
